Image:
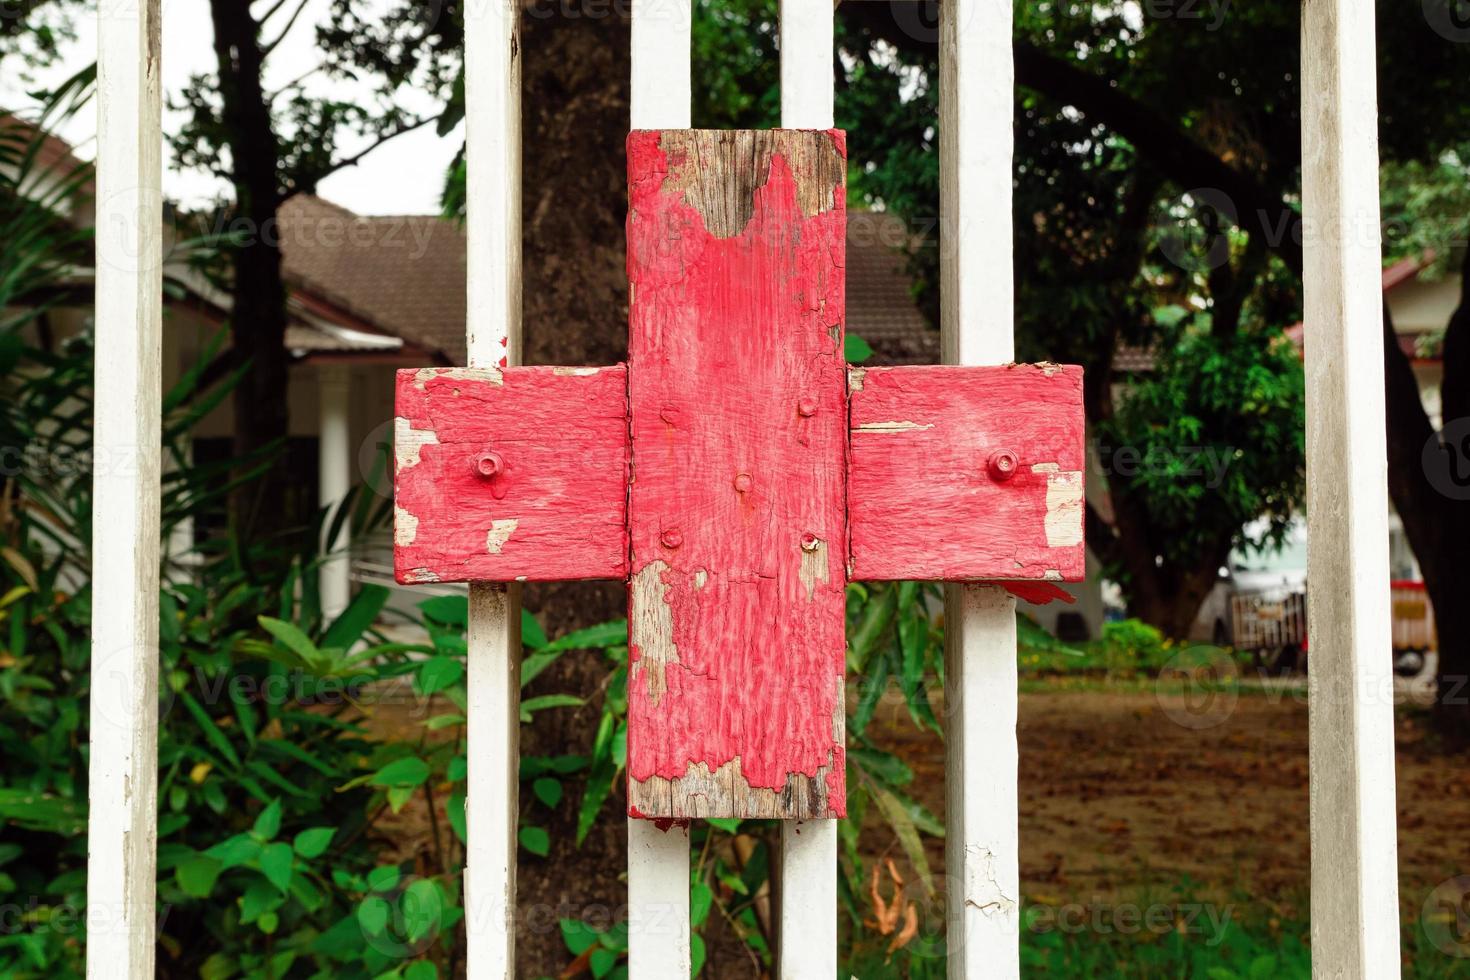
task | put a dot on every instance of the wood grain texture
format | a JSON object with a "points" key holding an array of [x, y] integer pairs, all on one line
{"points": [[554, 510], [737, 519], [928, 497], [122, 778], [1355, 925]]}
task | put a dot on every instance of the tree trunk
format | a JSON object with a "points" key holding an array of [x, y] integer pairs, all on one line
{"points": [[1435, 514], [258, 320]]}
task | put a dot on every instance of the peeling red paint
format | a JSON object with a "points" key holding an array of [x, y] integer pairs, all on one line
{"points": [[922, 501], [562, 441], [729, 338]]}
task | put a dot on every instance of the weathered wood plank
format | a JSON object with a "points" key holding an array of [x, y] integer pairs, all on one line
{"points": [[967, 473], [1355, 909], [510, 475], [123, 729], [737, 517]]}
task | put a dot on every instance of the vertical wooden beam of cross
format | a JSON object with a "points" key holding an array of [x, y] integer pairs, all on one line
{"points": [[736, 475]]}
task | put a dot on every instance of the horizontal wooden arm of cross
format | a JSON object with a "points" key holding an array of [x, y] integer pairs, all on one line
{"points": [[952, 474]]}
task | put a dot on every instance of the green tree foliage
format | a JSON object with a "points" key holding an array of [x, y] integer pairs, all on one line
{"points": [[1157, 168]]}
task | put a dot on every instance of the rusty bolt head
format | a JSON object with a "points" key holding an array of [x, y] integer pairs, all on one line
{"points": [[807, 407], [810, 541], [671, 538], [743, 482], [1003, 464], [489, 464]]}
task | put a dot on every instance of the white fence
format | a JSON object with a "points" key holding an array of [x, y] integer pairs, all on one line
{"points": [[1354, 893]]}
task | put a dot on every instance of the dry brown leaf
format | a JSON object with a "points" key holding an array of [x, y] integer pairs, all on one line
{"points": [[910, 929]]}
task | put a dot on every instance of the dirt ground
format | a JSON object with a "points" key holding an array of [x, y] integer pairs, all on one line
{"points": [[1126, 792], [1125, 795]]}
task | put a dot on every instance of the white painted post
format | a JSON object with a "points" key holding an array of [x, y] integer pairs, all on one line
{"points": [[982, 858], [123, 773], [658, 860], [658, 902], [493, 331], [1355, 909], [808, 929], [806, 64], [334, 480], [660, 97], [808, 912]]}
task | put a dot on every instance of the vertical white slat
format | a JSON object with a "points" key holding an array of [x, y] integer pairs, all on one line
{"points": [[334, 482], [661, 97], [658, 860], [1355, 909], [808, 913], [493, 332], [806, 64], [658, 902], [808, 929], [982, 863], [123, 769]]}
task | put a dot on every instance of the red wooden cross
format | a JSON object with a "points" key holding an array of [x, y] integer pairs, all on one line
{"points": [[737, 475]]}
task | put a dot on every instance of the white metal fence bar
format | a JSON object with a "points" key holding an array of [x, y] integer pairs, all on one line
{"points": [[808, 911], [658, 860], [806, 64], [976, 106], [1355, 924], [123, 761], [658, 902], [808, 929], [493, 331], [661, 97]]}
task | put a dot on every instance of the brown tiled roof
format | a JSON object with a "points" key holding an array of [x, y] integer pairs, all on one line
{"points": [[880, 301], [404, 273], [406, 276], [1130, 359]]}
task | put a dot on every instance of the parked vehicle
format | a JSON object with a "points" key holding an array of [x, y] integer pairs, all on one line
{"points": [[1260, 604], [1413, 627]]}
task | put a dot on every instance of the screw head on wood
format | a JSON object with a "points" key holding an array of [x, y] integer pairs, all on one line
{"points": [[671, 538], [743, 482], [1003, 464], [810, 541], [807, 407], [489, 464]]}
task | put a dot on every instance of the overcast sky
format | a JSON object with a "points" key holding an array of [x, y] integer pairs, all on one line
{"points": [[403, 176]]}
